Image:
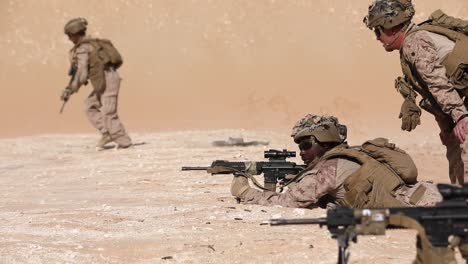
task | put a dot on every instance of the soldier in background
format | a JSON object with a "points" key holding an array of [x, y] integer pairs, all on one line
{"points": [[96, 60], [433, 58]]}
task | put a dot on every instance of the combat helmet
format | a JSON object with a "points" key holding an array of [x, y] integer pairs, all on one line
{"points": [[75, 25], [323, 128], [389, 13]]}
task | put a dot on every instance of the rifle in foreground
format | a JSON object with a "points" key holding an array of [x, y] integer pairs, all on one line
{"points": [[447, 218], [274, 170]]}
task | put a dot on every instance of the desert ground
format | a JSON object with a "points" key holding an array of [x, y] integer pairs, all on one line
{"points": [[65, 202], [194, 71]]}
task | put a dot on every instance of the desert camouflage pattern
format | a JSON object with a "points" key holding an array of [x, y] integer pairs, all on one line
{"points": [[388, 13], [79, 58], [315, 184], [310, 122], [424, 52], [328, 179], [453, 149], [75, 25], [100, 106], [429, 194]]}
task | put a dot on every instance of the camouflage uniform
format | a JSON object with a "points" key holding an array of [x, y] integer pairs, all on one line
{"points": [[426, 58], [101, 104], [326, 181], [325, 178], [424, 52], [427, 61]]}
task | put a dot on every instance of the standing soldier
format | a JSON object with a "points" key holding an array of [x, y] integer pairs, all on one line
{"points": [[434, 57], [96, 60]]}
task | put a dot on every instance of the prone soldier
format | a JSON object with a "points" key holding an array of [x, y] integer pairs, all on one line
{"points": [[374, 175]]}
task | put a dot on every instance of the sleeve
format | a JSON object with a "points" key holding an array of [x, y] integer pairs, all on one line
{"points": [[419, 50], [305, 193], [81, 61]]}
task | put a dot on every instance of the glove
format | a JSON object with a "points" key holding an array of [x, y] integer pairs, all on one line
{"points": [[410, 115], [250, 167], [240, 187], [67, 92]]}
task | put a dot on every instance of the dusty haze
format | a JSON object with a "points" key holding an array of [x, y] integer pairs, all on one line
{"points": [[204, 64], [195, 71]]}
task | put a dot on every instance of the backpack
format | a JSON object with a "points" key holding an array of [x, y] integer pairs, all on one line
{"points": [[455, 29], [439, 18], [109, 54], [393, 157], [106, 52]]}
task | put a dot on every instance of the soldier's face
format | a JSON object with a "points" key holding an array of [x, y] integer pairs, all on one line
{"points": [[386, 37], [74, 38], [310, 150]]}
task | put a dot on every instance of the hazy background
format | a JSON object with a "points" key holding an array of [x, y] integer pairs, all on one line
{"points": [[205, 64]]}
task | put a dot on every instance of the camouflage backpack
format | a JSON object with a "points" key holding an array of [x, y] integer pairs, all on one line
{"points": [[439, 18], [106, 52], [101, 57]]}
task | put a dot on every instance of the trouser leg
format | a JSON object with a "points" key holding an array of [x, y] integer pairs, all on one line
{"points": [[456, 155], [92, 110], [109, 102]]}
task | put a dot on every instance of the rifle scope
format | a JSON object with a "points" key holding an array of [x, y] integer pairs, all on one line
{"points": [[452, 192], [279, 154]]}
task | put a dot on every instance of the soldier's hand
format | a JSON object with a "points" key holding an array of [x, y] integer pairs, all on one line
{"points": [[460, 129], [410, 115], [251, 167], [67, 92], [240, 187]]}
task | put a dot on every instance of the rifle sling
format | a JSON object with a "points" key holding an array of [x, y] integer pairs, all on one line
{"points": [[410, 223]]}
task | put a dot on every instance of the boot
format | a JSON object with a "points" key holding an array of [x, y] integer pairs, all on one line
{"points": [[123, 142], [105, 139]]}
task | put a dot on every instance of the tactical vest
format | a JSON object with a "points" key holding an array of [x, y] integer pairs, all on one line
{"points": [[456, 62], [102, 56], [371, 186]]}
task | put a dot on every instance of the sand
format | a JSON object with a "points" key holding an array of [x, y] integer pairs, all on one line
{"points": [[195, 71]]}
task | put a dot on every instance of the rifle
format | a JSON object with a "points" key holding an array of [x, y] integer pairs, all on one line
{"points": [[274, 170], [445, 219], [72, 73]]}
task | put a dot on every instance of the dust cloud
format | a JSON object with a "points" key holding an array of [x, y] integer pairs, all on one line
{"points": [[203, 64]]}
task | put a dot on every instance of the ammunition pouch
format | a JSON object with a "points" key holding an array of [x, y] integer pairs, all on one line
{"points": [[404, 88]]}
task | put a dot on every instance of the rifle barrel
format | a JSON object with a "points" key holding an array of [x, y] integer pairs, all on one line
{"points": [[63, 106], [194, 168], [305, 221]]}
